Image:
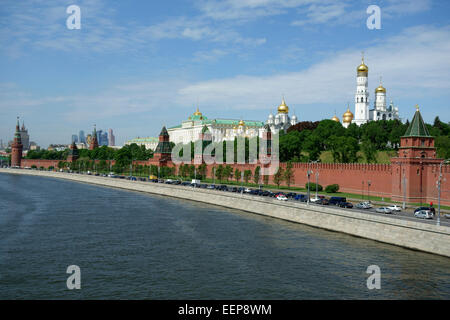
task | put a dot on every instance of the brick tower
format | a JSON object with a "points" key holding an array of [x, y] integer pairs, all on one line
{"points": [[410, 170], [163, 151], [73, 153], [16, 148], [94, 141]]}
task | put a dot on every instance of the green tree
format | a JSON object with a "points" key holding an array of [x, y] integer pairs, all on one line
{"points": [[247, 175], [278, 176], [257, 175], [237, 174], [288, 174]]}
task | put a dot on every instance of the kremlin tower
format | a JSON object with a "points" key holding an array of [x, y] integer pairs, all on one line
{"points": [[94, 141], [16, 147]]}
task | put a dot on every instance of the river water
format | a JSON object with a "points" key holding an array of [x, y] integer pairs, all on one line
{"points": [[131, 245]]}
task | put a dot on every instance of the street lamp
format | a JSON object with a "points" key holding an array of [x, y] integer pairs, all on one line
{"points": [[438, 222], [308, 173], [362, 191], [369, 183], [317, 184]]}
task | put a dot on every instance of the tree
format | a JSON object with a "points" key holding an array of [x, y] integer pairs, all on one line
{"points": [[288, 174], [256, 175], [219, 172], [227, 171], [370, 151], [237, 174], [278, 176], [443, 147], [247, 175]]}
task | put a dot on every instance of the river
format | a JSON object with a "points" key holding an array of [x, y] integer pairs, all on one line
{"points": [[131, 245]]}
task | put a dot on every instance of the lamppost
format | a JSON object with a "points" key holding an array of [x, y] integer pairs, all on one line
{"points": [[404, 191], [317, 184], [369, 183], [438, 222], [308, 173], [362, 191], [214, 176]]}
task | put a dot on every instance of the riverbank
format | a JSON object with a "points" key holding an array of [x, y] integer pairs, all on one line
{"points": [[409, 234]]}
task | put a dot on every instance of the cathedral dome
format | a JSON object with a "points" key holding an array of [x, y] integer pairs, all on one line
{"points": [[380, 89], [335, 119], [241, 123], [283, 108], [363, 68], [270, 116], [347, 116], [197, 113]]}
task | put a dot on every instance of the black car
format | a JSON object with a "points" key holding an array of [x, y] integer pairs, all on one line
{"points": [[234, 189], [323, 202], [185, 183], [336, 200], [291, 195], [345, 205]]}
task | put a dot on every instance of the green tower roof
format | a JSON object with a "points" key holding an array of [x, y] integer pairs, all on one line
{"points": [[417, 128]]}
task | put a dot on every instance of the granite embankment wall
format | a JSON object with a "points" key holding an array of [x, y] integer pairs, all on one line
{"points": [[405, 233]]}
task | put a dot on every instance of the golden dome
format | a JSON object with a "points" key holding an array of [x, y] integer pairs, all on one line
{"points": [[283, 108], [362, 67], [335, 119], [241, 123], [197, 113], [347, 117], [380, 89]]}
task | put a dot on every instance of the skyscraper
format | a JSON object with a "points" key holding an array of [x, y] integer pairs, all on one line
{"points": [[112, 138], [74, 138], [81, 137]]}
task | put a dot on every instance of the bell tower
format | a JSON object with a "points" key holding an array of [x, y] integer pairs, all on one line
{"points": [[362, 94]]}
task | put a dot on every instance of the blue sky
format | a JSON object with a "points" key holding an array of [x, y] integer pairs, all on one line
{"points": [[138, 65]]}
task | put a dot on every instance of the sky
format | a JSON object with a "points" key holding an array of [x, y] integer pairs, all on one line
{"points": [[135, 65]]}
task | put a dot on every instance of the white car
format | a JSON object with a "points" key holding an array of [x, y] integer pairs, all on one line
{"points": [[395, 208], [281, 197], [364, 205], [247, 190], [314, 200], [383, 210], [423, 214]]}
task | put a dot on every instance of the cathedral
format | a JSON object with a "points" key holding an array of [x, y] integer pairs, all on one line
{"points": [[362, 112], [281, 121]]}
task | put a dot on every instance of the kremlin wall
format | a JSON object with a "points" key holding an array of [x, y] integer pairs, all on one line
{"points": [[412, 175]]}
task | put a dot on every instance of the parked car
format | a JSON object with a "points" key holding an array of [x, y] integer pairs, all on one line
{"points": [[281, 197], [395, 208], [336, 200], [423, 214], [383, 210], [211, 186], [247, 190], [364, 205], [315, 200], [345, 205]]}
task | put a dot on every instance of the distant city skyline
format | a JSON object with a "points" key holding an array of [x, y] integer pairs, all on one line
{"points": [[154, 63]]}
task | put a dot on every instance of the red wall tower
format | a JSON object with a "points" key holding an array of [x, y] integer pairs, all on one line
{"points": [[16, 148], [409, 169]]}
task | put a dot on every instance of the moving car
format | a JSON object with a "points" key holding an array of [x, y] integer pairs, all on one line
{"points": [[364, 205], [429, 209], [395, 208], [336, 200], [423, 214], [281, 197], [323, 202], [383, 210], [300, 197], [345, 205]]}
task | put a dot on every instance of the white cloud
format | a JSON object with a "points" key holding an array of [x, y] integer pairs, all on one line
{"points": [[411, 62]]}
